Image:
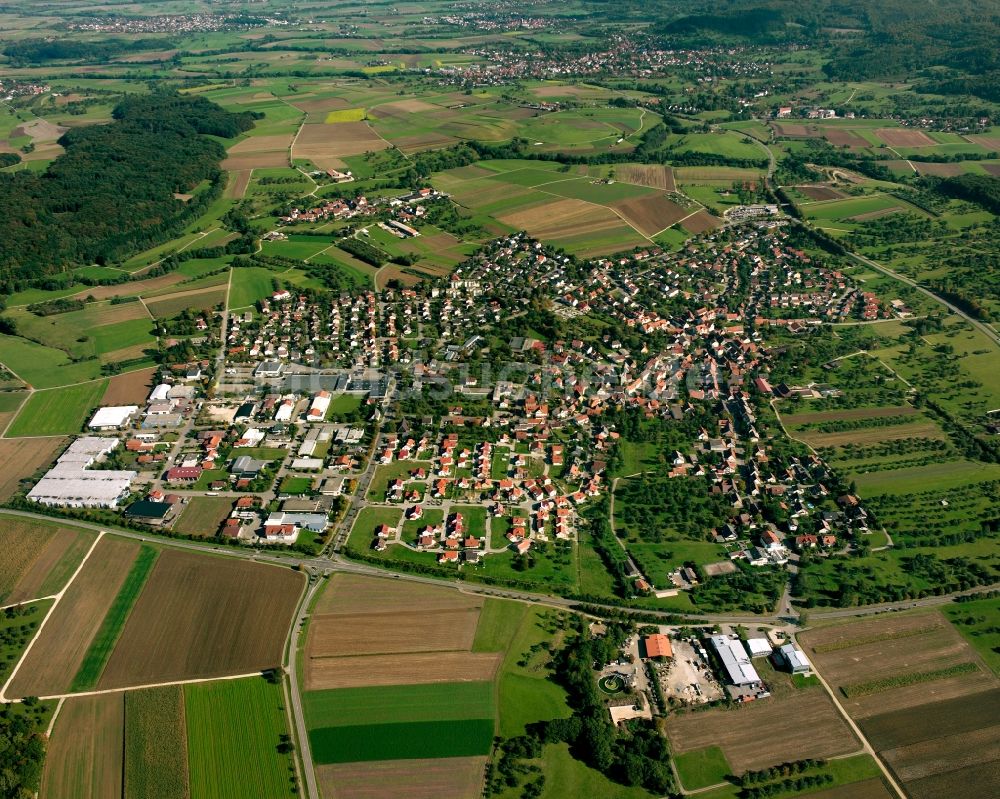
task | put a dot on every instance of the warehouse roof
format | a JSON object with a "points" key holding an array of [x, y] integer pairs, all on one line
{"points": [[112, 416], [735, 660]]}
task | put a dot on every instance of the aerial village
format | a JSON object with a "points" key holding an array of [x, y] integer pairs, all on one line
{"points": [[416, 399]]}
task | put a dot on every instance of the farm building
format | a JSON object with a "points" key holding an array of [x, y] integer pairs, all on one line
{"points": [[71, 483], [113, 417], [736, 662], [758, 647], [657, 646], [794, 659]]}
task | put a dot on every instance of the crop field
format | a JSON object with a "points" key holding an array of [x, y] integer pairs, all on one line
{"points": [[84, 758], [852, 207], [57, 411], [62, 644], [155, 744], [650, 215], [367, 631], [22, 458], [902, 137], [106, 636], [430, 778], [202, 616], [172, 304], [820, 192], [564, 220], [873, 435], [257, 152], [233, 729], [431, 702], [654, 176], [405, 740], [938, 737], [700, 222], [738, 732], [900, 648], [204, 515], [345, 115], [811, 417], [325, 145], [130, 388], [38, 558], [715, 174]]}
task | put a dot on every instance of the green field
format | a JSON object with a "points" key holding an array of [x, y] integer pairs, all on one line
{"points": [[57, 411], [977, 622], [250, 284], [399, 703], [155, 749], [403, 741], [702, 767], [498, 623], [45, 367], [233, 729]]}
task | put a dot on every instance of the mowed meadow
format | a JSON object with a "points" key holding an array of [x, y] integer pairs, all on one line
{"points": [[407, 684]]}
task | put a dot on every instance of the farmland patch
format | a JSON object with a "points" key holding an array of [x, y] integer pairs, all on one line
{"points": [[405, 740], [202, 616], [37, 559], [432, 778], [654, 176], [650, 215], [738, 732], [155, 746], [904, 137], [22, 457], [131, 388], [62, 644], [84, 758]]}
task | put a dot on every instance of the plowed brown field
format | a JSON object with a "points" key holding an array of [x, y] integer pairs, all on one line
{"points": [[655, 176], [767, 732], [650, 215], [131, 388], [203, 616], [441, 778], [22, 457], [416, 669], [903, 137], [391, 633]]}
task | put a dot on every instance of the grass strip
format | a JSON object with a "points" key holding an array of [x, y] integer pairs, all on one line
{"points": [[904, 680], [114, 622]]}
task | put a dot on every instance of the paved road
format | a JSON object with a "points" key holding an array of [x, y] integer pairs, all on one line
{"points": [[312, 792]]}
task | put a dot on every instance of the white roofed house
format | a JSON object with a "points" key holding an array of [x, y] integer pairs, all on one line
{"points": [[794, 659], [284, 412]]}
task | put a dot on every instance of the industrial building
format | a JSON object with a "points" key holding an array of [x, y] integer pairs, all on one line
{"points": [[72, 483], [794, 659], [758, 647], [113, 417], [735, 660]]}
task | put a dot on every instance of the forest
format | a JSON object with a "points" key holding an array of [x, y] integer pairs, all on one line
{"points": [[112, 192]]}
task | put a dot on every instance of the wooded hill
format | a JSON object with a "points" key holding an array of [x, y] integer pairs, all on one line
{"points": [[112, 192]]}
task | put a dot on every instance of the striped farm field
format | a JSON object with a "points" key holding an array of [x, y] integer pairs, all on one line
{"points": [[796, 419], [873, 435], [111, 628], [36, 558], [84, 758], [233, 729], [61, 646], [201, 616], [155, 746]]}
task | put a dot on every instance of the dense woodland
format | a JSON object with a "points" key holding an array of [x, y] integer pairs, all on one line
{"points": [[112, 192]]}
